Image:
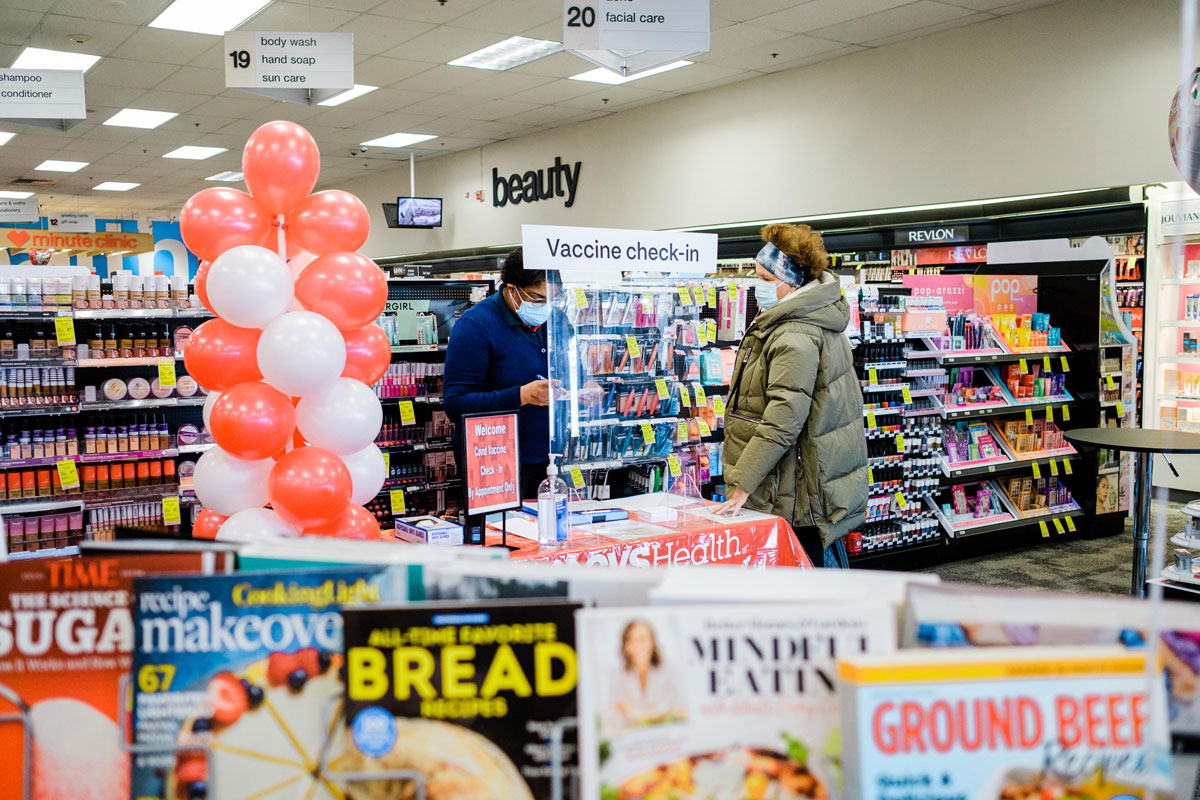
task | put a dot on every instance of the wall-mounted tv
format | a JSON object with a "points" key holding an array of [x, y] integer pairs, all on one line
{"points": [[414, 212]]}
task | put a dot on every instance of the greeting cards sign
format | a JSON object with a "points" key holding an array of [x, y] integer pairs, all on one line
{"points": [[490, 444]]}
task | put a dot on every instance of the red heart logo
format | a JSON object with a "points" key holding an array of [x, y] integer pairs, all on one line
{"points": [[18, 237]]}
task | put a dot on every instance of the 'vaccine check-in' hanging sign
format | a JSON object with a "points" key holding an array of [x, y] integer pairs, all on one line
{"points": [[583, 253], [299, 67], [661, 25]]}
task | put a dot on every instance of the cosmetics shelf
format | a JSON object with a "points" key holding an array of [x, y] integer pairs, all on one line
{"points": [[51, 552], [185, 449], [35, 505], [104, 458], [33, 316], [1003, 408], [417, 447], [973, 469], [136, 405], [36, 411], [136, 494], [87, 363], [419, 348], [122, 313], [38, 362]]}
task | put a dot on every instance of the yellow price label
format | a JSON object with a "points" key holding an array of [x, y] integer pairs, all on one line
{"points": [[901, 503], [166, 373], [387, 463], [872, 376], [660, 386], [702, 333], [170, 510], [1044, 529], [64, 330], [1070, 524], [871, 420], [906, 393], [681, 431], [648, 303], [1046, 364], [1109, 382], [1029, 416], [701, 397], [1024, 366], [647, 433], [1066, 414], [1049, 413], [68, 475], [900, 443], [1120, 409], [685, 296], [712, 297], [1067, 467], [1058, 525], [673, 465], [1054, 467], [577, 477], [397, 498], [632, 344], [711, 326], [685, 396], [581, 298], [1065, 366], [408, 415], [704, 429], [155, 678], [719, 405], [870, 476], [1037, 470]]}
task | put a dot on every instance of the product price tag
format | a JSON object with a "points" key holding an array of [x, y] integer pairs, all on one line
{"points": [[719, 405], [685, 397], [1070, 524], [702, 333], [408, 416], [581, 298], [871, 420], [673, 465], [1029, 416], [387, 463], [685, 296], [648, 303], [1067, 467], [64, 330], [906, 393], [166, 373], [577, 477], [872, 376], [901, 503], [1120, 409], [1066, 413], [681, 432], [1066, 367], [68, 476], [701, 398], [647, 433], [900, 443], [1058, 526], [170, 511], [870, 476], [1109, 382], [397, 497], [1046, 364], [1054, 467], [1049, 413], [632, 344], [660, 386], [1044, 529], [1037, 470], [712, 297], [704, 429], [711, 325], [1024, 366]]}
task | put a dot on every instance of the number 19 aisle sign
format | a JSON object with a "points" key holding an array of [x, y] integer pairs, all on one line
{"points": [[300, 67], [630, 36]]}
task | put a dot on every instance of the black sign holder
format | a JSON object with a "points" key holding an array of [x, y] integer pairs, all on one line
{"points": [[475, 529]]}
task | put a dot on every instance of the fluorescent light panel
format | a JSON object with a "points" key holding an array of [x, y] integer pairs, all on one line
{"points": [[399, 140], [61, 166], [228, 176], [510, 53], [207, 16], [611, 78], [345, 97], [194, 153], [39, 58], [115, 186], [15, 195], [139, 118], [5, 136]]}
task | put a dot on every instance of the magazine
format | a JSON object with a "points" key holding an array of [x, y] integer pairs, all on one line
{"points": [[499, 580], [463, 698], [718, 702], [238, 680], [65, 640], [1002, 724]]}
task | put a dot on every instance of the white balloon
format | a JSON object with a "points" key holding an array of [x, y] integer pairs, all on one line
{"points": [[228, 484], [206, 412], [301, 353], [249, 286], [344, 418], [368, 471], [253, 524]]}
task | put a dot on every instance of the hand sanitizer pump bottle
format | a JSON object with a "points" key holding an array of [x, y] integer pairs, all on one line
{"points": [[552, 509]]}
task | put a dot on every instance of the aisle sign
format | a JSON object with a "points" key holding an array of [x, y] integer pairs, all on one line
{"points": [[589, 254], [303, 68], [72, 222], [492, 463], [19, 210], [55, 94], [632, 36]]}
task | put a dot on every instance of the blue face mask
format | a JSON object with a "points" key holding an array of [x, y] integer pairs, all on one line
{"points": [[764, 294], [532, 314]]}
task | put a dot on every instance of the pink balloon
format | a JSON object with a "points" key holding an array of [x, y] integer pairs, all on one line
{"points": [[368, 353], [199, 282], [219, 355], [309, 486], [348, 289], [330, 221], [280, 164], [253, 420], [216, 219], [355, 522], [207, 523]]}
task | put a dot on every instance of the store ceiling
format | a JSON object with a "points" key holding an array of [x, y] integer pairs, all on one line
{"points": [[402, 46]]}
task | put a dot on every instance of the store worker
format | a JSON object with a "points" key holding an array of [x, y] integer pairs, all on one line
{"points": [[794, 439], [496, 362]]}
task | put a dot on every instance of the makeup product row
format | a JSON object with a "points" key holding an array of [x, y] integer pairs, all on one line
{"points": [[969, 441], [1131, 296], [880, 356], [410, 379], [103, 522], [1191, 345], [1191, 307], [1027, 331], [967, 332], [116, 389], [1035, 383], [144, 433], [644, 355], [23, 341], [43, 532], [139, 340], [1028, 438], [893, 534], [972, 501], [963, 389], [1037, 494], [31, 387], [394, 432], [432, 467], [1178, 381]]}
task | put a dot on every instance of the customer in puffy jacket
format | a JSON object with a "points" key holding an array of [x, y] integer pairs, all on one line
{"points": [[794, 439]]}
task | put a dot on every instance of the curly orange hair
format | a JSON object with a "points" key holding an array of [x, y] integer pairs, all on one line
{"points": [[801, 244]]}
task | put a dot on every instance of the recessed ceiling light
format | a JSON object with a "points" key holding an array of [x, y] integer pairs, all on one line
{"points": [[139, 118], [399, 140], [345, 97], [114, 186], [15, 195], [5, 136], [38, 58], [613, 79], [207, 16], [508, 54], [194, 153], [61, 166], [228, 176]]}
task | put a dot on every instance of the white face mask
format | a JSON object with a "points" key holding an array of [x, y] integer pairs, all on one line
{"points": [[765, 293]]}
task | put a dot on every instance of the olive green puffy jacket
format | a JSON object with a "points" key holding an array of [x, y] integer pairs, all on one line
{"points": [[794, 435]]}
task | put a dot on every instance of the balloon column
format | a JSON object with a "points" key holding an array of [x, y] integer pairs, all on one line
{"points": [[289, 360]]}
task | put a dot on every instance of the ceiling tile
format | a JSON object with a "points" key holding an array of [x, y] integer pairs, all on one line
{"points": [[163, 46], [437, 13], [680, 80], [380, 71], [804, 62], [156, 100], [127, 74], [53, 30], [513, 16], [288, 17], [555, 92], [497, 85], [374, 34], [886, 23], [190, 80], [443, 44], [992, 5], [559, 65], [1024, 5], [916, 33], [742, 10], [120, 96], [768, 56], [131, 12], [18, 26], [614, 94], [804, 17], [741, 35]]}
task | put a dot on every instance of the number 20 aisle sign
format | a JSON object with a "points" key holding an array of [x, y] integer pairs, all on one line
{"points": [[657, 25]]}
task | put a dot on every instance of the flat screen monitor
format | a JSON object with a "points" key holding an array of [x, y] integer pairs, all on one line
{"points": [[414, 212]]}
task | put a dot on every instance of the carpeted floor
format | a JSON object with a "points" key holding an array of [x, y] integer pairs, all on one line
{"points": [[1073, 565]]}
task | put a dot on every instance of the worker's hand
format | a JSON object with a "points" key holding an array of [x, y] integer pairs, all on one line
{"points": [[590, 394], [733, 506], [536, 393]]}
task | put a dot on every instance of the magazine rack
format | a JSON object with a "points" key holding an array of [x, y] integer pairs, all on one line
{"points": [[22, 719]]}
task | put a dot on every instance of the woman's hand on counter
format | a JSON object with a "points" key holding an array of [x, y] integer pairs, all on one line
{"points": [[733, 506]]}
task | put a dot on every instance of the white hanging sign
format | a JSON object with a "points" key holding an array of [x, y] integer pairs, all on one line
{"points": [[588, 253], [42, 94], [302, 68], [72, 222], [631, 36], [19, 210]]}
